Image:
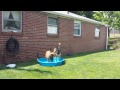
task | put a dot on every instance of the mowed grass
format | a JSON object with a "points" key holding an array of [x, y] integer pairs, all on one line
{"points": [[114, 35], [95, 65]]}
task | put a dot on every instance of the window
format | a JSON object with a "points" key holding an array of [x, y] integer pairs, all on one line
{"points": [[52, 26], [12, 21], [97, 32], [77, 28]]}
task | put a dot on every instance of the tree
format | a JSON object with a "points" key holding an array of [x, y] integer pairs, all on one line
{"points": [[108, 17], [88, 14], [111, 18]]}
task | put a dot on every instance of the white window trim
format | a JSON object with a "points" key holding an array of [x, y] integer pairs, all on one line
{"points": [[55, 17], [79, 22], [97, 31], [4, 30]]}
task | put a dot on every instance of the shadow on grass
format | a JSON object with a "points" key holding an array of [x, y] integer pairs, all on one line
{"points": [[20, 64], [27, 63], [84, 54], [34, 70], [34, 62]]}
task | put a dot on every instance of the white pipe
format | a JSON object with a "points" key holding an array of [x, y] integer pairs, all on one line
{"points": [[107, 38]]}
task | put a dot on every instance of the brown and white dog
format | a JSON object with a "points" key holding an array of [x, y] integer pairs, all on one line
{"points": [[49, 55]]}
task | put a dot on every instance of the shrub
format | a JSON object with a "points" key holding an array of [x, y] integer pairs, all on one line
{"points": [[116, 45]]}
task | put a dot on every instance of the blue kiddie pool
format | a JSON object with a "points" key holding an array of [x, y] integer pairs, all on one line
{"points": [[55, 62]]}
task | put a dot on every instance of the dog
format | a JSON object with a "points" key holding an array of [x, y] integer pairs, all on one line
{"points": [[48, 55], [54, 52]]}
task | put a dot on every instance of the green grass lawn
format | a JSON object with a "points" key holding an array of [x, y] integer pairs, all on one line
{"points": [[114, 35], [95, 65]]}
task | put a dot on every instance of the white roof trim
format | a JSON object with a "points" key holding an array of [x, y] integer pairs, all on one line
{"points": [[74, 16]]}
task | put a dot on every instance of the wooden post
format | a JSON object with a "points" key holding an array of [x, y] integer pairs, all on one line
{"points": [[114, 32]]}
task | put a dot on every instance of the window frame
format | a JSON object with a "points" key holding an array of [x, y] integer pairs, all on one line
{"points": [[97, 27], [10, 30], [77, 22], [53, 17]]}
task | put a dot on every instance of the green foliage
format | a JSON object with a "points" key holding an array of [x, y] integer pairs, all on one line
{"points": [[88, 14], [111, 18], [116, 45]]}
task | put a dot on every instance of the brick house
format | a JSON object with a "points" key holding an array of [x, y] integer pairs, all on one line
{"points": [[37, 31]]}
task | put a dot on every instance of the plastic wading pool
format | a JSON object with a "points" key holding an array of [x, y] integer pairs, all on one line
{"points": [[55, 62]]}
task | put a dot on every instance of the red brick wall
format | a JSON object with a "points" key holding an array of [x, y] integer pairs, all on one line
{"points": [[87, 41], [34, 37]]}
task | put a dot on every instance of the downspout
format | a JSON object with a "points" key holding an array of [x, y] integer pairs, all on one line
{"points": [[107, 38]]}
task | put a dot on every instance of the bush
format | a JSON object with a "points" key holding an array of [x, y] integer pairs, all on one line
{"points": [[116, 45]]}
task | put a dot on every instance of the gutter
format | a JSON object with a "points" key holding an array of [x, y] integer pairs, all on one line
{"points": [[74, 16], [107, 37]]}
